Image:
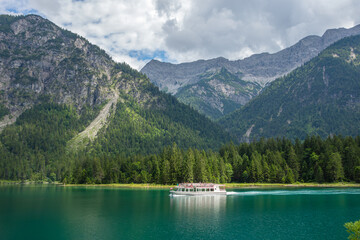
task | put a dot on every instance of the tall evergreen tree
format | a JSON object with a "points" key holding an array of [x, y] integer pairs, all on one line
{"points": [[188, 168], [334, 168]]}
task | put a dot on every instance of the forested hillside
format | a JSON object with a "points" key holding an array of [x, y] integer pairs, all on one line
{"points": [[55, 84], [320, 98]]}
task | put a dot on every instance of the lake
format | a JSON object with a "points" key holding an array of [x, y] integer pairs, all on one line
{"points": [[57, 212]]}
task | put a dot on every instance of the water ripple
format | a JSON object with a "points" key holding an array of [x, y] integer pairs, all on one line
{"points": [[355, 191]]}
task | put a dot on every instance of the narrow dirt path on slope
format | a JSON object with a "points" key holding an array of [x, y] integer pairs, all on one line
{"points": [[89, 134]]}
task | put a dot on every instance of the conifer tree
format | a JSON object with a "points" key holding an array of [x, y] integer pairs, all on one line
{"points": [[334, 168], [189, 166]]}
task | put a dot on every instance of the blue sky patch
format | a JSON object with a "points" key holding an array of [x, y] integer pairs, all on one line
{"points": [[145, 54], [25, 11]]}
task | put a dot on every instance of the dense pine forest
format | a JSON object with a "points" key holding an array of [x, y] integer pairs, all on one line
{"points": [[268, 161]]}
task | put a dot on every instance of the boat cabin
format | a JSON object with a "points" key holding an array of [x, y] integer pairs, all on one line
{"points": [[200, 187]]}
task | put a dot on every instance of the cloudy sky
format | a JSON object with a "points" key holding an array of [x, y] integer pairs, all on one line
{"points": [[136, 31]]}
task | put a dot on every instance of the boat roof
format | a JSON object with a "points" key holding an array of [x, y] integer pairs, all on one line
{"points": [[199, 185]]}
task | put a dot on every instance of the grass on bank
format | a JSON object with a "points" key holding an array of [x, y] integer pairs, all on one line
{"points": [[227, 185], [9, 182], [124, 185]]}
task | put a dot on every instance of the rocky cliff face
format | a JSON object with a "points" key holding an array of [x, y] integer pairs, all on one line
{"points": [[52, 80], [259, 68], [218, 94], [39, 60]]}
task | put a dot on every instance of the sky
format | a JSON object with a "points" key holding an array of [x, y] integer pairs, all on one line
{"points": [[136, 31]]}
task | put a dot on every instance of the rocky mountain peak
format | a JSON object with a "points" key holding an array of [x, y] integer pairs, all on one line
{"points": [[39, 60], [260, 68]]}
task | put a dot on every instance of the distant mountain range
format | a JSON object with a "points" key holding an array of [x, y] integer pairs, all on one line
{"points": [[59, 93], [322, 97], [205, 85]]}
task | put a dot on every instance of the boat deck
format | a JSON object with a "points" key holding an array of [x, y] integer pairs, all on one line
{"points": [[199, 189]]}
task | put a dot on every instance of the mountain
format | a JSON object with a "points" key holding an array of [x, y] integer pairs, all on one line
{"points": [[38, 61], [218, 93], [258, 69], [61, 94], [322, 97]]}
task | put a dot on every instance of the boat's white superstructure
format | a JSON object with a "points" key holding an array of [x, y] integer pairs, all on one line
{"points": [[201, 189]]}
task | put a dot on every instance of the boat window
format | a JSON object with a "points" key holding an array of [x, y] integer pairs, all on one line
{"points": [[212, 189]]}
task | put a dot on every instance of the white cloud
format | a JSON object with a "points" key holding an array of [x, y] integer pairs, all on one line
{"points": [[236, 29], [189, 30]]}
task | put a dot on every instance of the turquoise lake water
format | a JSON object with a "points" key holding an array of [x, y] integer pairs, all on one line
{"points": [[55, 212]]}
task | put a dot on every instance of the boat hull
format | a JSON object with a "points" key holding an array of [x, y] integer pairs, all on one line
{"points": [[179, 193]]}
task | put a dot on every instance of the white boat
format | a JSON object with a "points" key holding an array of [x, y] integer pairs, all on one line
{"points": [[198, 189]]}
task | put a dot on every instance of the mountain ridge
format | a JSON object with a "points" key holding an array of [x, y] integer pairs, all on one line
{"points": [[259, 68], [319, 98], [315, 42]]}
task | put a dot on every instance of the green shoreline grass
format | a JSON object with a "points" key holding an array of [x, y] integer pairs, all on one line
{"points": [[123, 185], [227, 185]]}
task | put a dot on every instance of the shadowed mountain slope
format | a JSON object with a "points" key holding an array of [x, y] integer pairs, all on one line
{"points": [[322, 97]]}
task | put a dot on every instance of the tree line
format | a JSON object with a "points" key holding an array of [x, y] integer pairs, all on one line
{"points": [[271, 160]]}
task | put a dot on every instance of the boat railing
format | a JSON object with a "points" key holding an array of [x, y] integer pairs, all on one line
{"points": [[204, 185], [201, 187]]}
